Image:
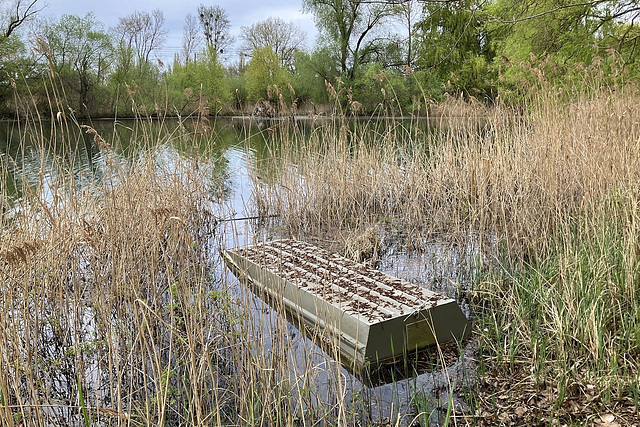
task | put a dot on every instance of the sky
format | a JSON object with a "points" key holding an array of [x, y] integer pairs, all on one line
{"points": [[241, 13]]}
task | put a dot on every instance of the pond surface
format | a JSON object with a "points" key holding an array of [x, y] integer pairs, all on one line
{"points": [[236, 149]]}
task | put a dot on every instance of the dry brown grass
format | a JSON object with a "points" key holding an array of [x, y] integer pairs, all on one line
{"points": [[93, 285], [554, 193], [495, 172], [115, 311]]}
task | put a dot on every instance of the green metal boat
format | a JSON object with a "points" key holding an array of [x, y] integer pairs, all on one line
{"points": [[365, 315]]}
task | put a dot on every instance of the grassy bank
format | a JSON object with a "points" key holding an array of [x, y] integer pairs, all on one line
{"points": [[554, 193]]}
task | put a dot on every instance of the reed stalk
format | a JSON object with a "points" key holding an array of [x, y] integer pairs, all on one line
{"points": [[553, 195]]}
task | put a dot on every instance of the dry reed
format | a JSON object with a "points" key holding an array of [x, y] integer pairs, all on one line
{"points": [[115, 311], [554, 193]]}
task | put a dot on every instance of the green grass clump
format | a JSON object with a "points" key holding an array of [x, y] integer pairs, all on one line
{"points": [[570, 321]]}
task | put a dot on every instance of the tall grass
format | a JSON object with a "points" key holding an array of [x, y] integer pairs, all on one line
{"points": [[492, 171], [116, 310], [552, 191], [93, 284], [566, 324]]}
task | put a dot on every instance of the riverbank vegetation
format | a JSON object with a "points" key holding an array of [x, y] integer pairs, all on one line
{"points": [[118, 312], [116, 309], [389, 57]]}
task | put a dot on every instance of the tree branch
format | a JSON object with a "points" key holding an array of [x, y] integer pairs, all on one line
{"points": [[18, 19]]}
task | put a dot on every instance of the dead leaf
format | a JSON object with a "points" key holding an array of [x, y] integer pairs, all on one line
{"points": [[607, 418], [521, 410]]}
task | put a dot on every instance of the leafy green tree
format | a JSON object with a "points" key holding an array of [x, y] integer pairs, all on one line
{"points": [[11, 49], [265, 75], [135, 81], [542, 28], [566, 26], [454, 45], [625, 59], [134, 89], [382, 91], [562, 43], [198, 85], [15, 66], [80, 53], [312, 72], [238, 87], [348, 27], [17, 70]]}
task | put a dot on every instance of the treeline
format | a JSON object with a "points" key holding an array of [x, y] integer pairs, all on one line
{"points": [[371, 56]]}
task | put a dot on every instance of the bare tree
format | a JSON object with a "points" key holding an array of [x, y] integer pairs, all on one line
{"points": [[142, 32], [284, 38], [191, 38], [15, 13], [216, 25], [408, 14]]}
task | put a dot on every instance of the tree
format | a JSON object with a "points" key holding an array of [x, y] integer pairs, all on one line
{"points": [[312, 71], [137, 37], [454, 44], [350, 25], [625, 37], [14, 14], [561, 41], [449, 35], [191, 39], [79, 51], [15, 67], [264, 74], [284, 38], [381, 90], [601, 11], [408, 14], [566, 26], [141, 32], [17, 70], [216, 26], [199, 85]]}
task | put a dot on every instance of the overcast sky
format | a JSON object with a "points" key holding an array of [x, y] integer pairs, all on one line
{"points": [[241, 13]]}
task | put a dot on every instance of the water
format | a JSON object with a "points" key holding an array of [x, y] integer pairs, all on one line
{"points": [[33, 164]]}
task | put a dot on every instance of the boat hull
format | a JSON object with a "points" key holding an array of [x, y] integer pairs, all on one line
{"points": [[357, 314]]}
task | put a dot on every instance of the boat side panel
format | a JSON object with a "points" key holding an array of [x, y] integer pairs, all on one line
{"points": [[302, 308]]}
